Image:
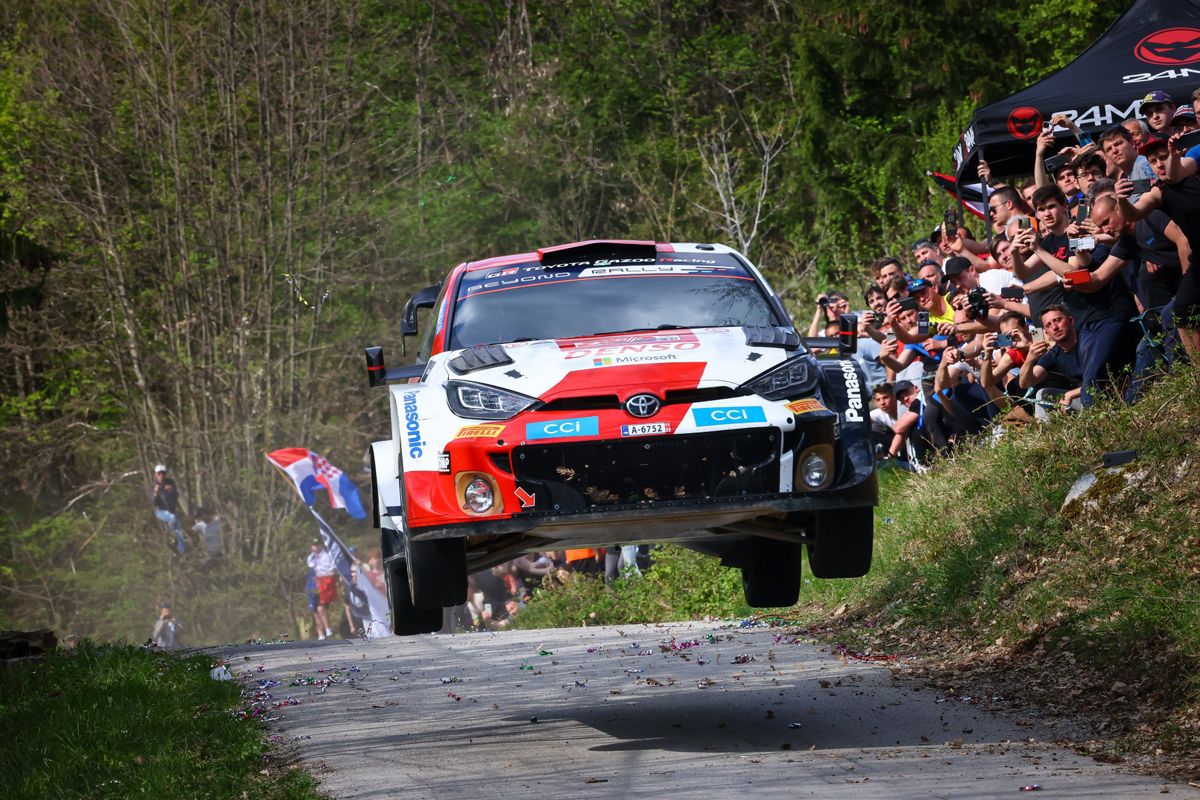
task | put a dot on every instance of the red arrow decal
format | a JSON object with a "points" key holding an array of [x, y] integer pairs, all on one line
{"points": [[525, 497]]}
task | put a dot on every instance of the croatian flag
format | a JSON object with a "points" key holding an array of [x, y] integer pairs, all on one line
{"points": [[310, 472]]}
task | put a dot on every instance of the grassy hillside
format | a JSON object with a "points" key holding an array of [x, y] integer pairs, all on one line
{"points": [[981, 571]]}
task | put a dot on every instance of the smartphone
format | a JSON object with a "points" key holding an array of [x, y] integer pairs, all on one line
{"points": [[1141, 185], [1024, 223], [908, 303], [1012, 293], [923, 322], [1056, 162], [1004, 340], [1081, 211], [1077, 277], [1082, 243], [890, 336], [1188, 140]]}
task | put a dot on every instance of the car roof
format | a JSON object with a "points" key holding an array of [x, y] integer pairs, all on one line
{"points": [[662, 247]]}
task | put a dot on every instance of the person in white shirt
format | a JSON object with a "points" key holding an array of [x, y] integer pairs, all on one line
{"points": [[322, 564]]}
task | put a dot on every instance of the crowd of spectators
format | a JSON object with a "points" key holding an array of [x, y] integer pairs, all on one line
{"points": [[496, 596], [1086, 284]]}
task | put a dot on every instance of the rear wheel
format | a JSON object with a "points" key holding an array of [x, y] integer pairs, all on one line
{"points": [[407, 619], [771, 573], [844, 541], [437, 572]]}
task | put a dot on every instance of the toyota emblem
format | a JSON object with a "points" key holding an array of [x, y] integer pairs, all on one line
{"points": [[643, 405]]}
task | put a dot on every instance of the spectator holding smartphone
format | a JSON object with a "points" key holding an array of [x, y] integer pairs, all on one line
{"points": [[1177, 195], [1055, 365], [1119, 149]]}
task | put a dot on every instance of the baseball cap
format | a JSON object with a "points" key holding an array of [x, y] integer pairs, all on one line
{"points": [[1152, 143], [316, 540], [1155, 98], [903, 386], [161, 468], [956, 266], [919, 243], [917, 284], [1184, 113]]}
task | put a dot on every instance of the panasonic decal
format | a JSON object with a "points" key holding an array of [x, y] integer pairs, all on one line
{"points": [[854, 397], [412, 427]]}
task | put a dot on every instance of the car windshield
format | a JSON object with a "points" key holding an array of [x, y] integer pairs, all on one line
{"points": [[679, 290]]}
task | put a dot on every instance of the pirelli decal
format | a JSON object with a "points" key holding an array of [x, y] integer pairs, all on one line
{"points": [[806, 406], [480, 432]]}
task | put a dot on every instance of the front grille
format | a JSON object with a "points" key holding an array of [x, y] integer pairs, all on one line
{"points": [[585, 475], [500, 462]]}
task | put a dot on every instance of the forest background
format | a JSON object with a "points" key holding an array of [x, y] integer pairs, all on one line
{"points": [[208, 209]]}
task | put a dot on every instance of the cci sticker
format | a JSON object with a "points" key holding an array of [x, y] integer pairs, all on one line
{"points": [[480, 432], [806, 406], [560, 428], [737, 415]]}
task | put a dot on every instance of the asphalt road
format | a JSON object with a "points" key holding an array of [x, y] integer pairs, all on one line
{"points": [[695, 710]]}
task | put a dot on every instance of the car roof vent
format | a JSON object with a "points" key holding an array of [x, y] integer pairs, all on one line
{"points": [[771, 336], [481, 356], [595, 249]]}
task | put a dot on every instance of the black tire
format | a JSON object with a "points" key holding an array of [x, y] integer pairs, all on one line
{"points": [[844, 541], [771, 573], [407, 619], [437, 572]]}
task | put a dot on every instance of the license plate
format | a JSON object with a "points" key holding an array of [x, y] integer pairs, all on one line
{"points": [[646, 429]]}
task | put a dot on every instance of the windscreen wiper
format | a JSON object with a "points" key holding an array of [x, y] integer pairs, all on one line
{"points": [[665, 327]]}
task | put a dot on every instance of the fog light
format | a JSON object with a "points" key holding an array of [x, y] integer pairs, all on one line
{"points": [[814, 471], [479, 496]]}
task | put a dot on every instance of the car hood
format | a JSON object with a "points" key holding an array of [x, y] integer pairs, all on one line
{"points": [[663, 360]]}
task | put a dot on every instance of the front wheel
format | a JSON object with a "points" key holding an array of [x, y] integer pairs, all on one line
{"points": [[408, 619], [771, 573], [844, 542]]}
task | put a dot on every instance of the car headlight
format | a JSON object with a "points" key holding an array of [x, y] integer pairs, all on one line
{"points": [[792, 378], [476, 401]]}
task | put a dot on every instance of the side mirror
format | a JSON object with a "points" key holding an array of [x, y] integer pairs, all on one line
{"points": [[422, 299], [848, 333], [379, 375]]}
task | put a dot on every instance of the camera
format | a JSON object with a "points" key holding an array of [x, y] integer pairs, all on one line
{"points": [[977, 304], [822, 301], [1004, 340]]}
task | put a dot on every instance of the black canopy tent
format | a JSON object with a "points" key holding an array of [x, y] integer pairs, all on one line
{"points": [[1155, 45]]}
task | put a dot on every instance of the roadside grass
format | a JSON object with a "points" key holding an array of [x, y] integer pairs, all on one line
{"points": [[979, 560], [119, 721]]}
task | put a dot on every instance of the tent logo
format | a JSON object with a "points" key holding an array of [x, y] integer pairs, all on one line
{"points": [[1170, 46], [1024, 122]]}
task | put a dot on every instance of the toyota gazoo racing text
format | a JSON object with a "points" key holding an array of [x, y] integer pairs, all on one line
{"points": [[612, 392]]}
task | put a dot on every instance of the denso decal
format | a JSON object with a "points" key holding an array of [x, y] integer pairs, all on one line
{"points": [[806, 406], [854, 397], [480, 432], [736, 415], [560, 428], [412, 427]]}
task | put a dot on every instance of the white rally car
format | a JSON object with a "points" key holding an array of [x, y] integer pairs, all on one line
{"points": [[611, 392]]}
